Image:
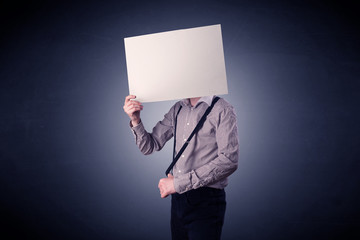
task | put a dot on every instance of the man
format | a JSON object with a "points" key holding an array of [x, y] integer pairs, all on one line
{"points": [[200, 175]]}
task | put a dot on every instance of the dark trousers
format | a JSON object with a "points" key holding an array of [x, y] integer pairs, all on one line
{"points": [[198, 214]]}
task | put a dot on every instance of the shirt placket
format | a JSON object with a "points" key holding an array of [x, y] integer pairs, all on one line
{"points": [[187, 128]]}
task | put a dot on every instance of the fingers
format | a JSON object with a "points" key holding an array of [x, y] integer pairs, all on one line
{"points": [[132, 106], [131, 103], [163, 194], [130, 109], [162, 188], [128, 98], [128, 102]]}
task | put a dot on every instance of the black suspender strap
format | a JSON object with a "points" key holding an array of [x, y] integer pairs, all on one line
{"points": [[196, 129], [175, 125]]}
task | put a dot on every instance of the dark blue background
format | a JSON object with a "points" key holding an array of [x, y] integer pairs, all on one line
{"points": [[70, 169]]}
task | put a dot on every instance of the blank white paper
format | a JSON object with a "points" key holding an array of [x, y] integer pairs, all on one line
{"points": [[176, 64]]}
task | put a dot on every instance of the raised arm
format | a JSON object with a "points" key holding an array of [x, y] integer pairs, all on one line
{"points": [[132, 108], [161, 133]]}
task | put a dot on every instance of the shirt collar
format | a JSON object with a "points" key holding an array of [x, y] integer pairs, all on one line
{"points": [[206, 99]]}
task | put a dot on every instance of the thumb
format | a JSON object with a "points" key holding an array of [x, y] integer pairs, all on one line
{"points": [[170, 176]]}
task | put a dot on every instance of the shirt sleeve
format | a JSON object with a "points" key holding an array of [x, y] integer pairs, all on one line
{"points": [[161, 133], [223, 165]]}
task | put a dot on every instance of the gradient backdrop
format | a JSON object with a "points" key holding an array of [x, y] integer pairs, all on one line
{"points": [[70, 168]]}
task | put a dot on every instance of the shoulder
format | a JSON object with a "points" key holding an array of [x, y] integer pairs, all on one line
{"points": [[223, 105], [222, 112]]}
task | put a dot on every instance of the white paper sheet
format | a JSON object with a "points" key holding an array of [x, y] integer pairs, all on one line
{"points": [[176, 64]]}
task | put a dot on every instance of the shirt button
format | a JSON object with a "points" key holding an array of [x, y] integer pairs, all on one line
{"points": [[182, 155], [179, 171], [188, 124], [184, 139]]}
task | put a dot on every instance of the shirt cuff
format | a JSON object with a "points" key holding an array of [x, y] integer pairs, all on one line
{"points": [[138, 130], [182, 183]]}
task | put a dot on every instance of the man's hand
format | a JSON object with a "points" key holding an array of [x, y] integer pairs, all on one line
{"points": [[166, 186], [132, 109]]}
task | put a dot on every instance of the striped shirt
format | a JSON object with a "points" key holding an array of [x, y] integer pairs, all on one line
{"points": [[212, 154]]}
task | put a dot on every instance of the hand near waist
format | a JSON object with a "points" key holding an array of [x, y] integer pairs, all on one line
{"points": [[166, 186]]}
